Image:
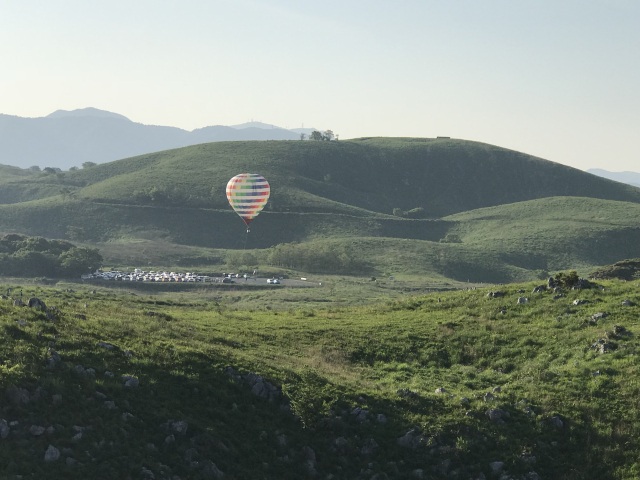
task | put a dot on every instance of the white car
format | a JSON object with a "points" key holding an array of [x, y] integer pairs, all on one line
{"points": [[273, 281]]}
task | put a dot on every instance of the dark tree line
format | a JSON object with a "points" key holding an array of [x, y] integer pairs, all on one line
{"points": [[318, 258], [22, 256]]}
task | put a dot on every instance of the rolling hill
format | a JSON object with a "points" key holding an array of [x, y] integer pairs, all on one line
{"points": [[464, 209]]}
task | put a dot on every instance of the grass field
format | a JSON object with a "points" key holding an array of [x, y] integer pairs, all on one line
{"points": [[364, 379]]}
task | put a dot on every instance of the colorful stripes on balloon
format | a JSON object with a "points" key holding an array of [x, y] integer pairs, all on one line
{"points": [[248, 194]]}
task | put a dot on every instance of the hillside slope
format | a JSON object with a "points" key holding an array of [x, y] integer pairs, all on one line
{"points": [[440, 176], [464, 384], [476, 211]]}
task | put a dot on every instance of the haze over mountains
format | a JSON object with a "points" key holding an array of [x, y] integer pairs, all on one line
{"points": [[65, 139], [632, 178]]}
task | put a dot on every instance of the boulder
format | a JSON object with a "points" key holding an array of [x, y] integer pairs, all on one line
{"points": [[52, 454], [35, 302]]}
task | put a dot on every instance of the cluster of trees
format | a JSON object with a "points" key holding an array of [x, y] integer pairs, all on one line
{"points": [[22, 256], [307, 257], [325, 136], [318, 258]]}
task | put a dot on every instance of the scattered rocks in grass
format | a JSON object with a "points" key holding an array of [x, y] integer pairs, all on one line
{"points": [[4, 429], [51, 454], [411, 439], [18, 302], [441, 390], [522, 300], [539, 289], [340, 445], [381, 418], [496, 294], [406, 393], [126, 416], [130, 381], [489, 397], [579, 301], [147, 474], [179, 426], [106, 345], [36, 430], [556, 422], [603, 345], [496, 467], [17, 395], [54, 359], [599, 316], [497, 415], [618, 332], [36, 303], [259, 386], [583, 284], [369, 448], [264, 389], [360, 414], [84, 372], [53, 314], [628, 303], [558, 296], [210, 470]]}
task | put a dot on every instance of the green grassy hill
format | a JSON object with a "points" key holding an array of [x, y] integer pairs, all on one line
{"points": [[448, 385], [542, 216]]}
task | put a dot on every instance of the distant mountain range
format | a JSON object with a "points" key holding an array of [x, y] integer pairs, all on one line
{"points": [[632, 178], [65, 139]]}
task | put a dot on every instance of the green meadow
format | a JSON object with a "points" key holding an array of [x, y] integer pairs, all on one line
{"points": [[364, 385]]}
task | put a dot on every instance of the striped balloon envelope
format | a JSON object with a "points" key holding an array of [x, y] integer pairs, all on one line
{"points": [[248, 194]]}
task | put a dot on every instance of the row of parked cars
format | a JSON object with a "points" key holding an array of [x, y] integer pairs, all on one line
{"points": [[141, 276]]}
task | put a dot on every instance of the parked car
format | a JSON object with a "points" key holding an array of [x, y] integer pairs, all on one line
{"points": [[273, 281]]}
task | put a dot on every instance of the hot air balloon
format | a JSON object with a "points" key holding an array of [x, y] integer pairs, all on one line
{"points": [[248, 194]]}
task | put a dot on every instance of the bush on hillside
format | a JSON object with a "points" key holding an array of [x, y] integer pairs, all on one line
{"points": [[23, 256], [567, 280]]}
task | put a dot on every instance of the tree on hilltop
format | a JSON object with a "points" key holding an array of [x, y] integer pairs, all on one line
{"points": [[327, 135]]}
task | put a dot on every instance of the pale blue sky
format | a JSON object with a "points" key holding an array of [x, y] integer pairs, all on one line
{"points": [[557, 79]]}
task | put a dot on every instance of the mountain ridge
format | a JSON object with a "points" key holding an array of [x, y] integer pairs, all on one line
{"points": [[69, 138], [628, 177]]}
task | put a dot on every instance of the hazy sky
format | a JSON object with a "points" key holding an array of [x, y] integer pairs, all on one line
{"points": [[553, 78]]}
